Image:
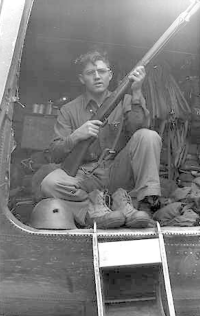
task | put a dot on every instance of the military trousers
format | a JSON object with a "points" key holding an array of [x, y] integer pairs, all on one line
{"points": [[135, 169]]}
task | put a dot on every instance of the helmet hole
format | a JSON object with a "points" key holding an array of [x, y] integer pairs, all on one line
{"points": [[55, 210]]}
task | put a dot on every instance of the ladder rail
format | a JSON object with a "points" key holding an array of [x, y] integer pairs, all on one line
{"points": [[100, 303], [159, 297], [166, 272]]}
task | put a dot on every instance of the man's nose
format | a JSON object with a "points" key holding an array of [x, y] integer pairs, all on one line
{"points": [[96, 74]]}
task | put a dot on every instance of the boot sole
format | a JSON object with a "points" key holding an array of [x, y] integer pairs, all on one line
{"points": [[140, 223], [114, 223]]}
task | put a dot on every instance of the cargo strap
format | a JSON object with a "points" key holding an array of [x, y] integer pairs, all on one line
{"points": [[131, 253]]}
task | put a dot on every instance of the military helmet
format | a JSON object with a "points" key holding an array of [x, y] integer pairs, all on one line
{"points": [[51, 213]]}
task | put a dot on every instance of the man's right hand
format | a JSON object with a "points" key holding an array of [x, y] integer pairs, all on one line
{"points": [[87, 130]]}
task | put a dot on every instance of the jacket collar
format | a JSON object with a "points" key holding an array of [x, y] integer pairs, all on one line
{"points": [[87, 98]]}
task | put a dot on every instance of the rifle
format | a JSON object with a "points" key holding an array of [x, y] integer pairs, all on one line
{"points": [[75, 158]]}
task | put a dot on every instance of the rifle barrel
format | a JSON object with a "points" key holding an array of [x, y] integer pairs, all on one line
{"points": [[75, 158]]}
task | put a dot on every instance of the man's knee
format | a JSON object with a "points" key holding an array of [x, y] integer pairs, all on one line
{"points": [[48, 184], [146, 136]]}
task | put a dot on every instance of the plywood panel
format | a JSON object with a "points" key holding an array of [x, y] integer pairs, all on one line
{"points": [[37, 131]]}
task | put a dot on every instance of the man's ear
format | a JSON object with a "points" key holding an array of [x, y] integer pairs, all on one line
{"points": [[110, 74], [81, 78]]}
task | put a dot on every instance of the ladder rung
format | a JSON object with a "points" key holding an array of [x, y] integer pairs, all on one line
{"points": [[132, 252], [129, 300]]}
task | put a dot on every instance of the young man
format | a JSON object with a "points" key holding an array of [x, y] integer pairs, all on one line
{"points": [[134, 167]]}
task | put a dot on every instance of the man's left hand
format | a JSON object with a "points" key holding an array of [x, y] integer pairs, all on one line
{"points": [[137, 77]]}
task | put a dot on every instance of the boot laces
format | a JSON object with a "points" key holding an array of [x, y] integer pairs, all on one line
{"points": [[126, 197], [104, 198]]}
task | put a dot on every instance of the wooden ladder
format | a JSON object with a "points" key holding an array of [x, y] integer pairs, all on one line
{"points": [[131, 254]]}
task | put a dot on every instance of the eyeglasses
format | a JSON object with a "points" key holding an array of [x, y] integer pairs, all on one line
{"points": [[100, 72]]}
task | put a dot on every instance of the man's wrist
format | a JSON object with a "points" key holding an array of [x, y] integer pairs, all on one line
{"points": [[75, 137], [136, 97], [136, 94], [69, 144]]}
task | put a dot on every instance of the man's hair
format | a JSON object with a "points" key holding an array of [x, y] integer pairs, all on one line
{"points": [[91, 57]]}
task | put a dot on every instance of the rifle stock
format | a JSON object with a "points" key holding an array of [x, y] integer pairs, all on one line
{"points": [[75, 158]]}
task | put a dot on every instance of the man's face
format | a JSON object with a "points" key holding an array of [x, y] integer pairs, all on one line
{"points": [[96, 77]]}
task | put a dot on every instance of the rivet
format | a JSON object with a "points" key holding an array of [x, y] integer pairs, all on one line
{"points": [[198, 255]]}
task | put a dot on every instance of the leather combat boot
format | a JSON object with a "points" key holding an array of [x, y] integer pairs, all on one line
{"points": [[134, 218], [100, 213]]}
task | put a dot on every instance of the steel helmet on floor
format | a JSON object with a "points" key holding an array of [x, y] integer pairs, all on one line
{"points": [[52, 213]]}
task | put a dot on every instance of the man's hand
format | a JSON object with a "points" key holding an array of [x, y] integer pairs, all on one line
{"points": [[87, 130], [137, 76]]}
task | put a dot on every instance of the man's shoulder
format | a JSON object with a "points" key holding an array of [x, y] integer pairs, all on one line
{"points": [[72, 104]]}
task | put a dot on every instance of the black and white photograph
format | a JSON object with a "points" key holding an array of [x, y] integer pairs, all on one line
{"points": [[99, 157]]}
